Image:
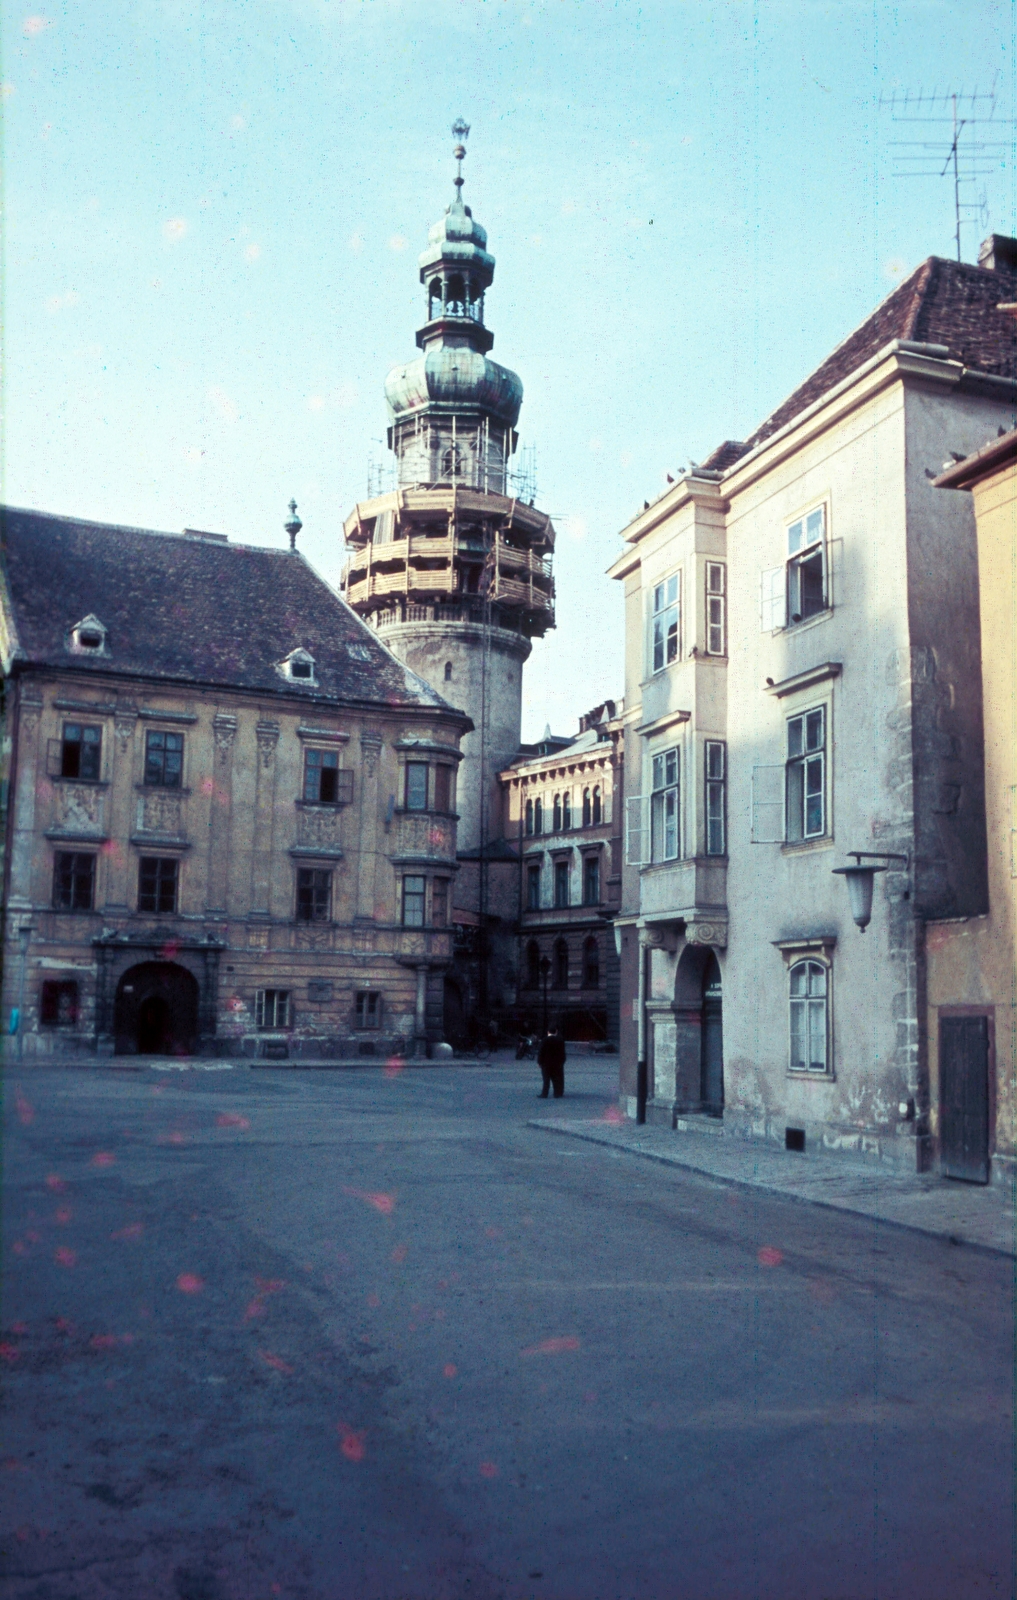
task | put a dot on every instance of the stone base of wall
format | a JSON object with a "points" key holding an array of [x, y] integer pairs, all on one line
{"points": [[62, 1045], [904, 1153]]}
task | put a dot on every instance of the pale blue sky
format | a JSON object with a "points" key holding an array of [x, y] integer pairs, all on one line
{"points": [[214, 213]]}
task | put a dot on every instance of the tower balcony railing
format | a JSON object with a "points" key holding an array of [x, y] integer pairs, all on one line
{"points": [[423, 548]]}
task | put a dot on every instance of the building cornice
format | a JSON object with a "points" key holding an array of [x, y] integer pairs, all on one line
{"points": [[803, 680]]}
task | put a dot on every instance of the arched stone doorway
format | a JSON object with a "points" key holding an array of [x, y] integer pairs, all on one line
{"points": [[156, 1011], [699, 1046]]}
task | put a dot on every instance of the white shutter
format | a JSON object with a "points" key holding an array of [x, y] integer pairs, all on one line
{"points": [[636, 854], [768, 804], [772, 600]]}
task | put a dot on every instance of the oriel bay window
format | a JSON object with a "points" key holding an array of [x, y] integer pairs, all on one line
{"points": [[716, 807], [805, 776], [73, 880], [716, 604], [414, 900], [664, 622], [809, 1018], [324, 782], [314, 894], [665, 829], [164, 759], [157, 884], [416, 785]]}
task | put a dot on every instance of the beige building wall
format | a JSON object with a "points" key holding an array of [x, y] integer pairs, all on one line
{"points": [[240, 831]]}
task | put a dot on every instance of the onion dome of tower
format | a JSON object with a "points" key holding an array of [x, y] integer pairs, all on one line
{"points": [[454, 372]]}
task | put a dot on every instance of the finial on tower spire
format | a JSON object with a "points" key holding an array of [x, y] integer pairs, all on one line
{"points": [[460, 131]]}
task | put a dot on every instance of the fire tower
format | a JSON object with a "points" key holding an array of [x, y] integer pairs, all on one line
{"points": [[452, 567]]}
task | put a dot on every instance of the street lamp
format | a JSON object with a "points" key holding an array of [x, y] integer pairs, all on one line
{"points": [[860, 881], [24, 940], [545, 969]]}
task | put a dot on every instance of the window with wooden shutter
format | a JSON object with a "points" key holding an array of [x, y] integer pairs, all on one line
{"points": [[772, 599], [636, 831]]}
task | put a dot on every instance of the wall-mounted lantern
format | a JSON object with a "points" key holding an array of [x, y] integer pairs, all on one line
{"points": [[860, 880]]}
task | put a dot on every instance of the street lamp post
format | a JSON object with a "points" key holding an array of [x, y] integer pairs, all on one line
{"points": [[545, 969]]}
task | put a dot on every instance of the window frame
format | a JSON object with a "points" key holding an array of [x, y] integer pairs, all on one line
{"points": [[562, 877], [566, 811], [664, 637], [410, 794], [367, 1006], [591, 867], [417, 894], [802, 555], [662, 813], [175, 781], [533, 885], [324, 762], [806, 1002], [155, 868], [591, 969], [443, 789], [528, 819], [715, 620], [440, 902], [560, 962], [73, 874], [81, 745], [281, 1001], [799, 761], [310, 885], [715, 796], [51, 990]]}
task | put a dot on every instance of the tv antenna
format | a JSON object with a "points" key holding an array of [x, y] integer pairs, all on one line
{"points": [[964, 149]]}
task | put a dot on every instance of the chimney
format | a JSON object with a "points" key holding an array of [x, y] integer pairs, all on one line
{"points": [[997, 251]]}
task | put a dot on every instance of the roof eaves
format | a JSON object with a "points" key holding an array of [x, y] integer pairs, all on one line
{"points": [[997, 453]]}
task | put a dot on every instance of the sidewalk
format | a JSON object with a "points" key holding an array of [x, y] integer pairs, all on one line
{"points": [[963, 1213]]}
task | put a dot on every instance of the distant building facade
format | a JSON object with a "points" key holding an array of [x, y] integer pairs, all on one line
{"points": [[231, 819], [561, 807], [802, 683], [972, 961]]}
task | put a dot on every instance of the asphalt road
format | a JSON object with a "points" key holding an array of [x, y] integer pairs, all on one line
{"points": [[366, 1336]]}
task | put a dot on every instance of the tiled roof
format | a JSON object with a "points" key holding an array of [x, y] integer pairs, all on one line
{"points": [[943, 302], [191, 609], [724, 456]]}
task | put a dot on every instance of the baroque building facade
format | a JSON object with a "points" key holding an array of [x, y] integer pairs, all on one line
{"points": [[562, 808], [803, 694], [231, 811]]}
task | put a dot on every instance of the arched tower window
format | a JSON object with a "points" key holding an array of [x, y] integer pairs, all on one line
{"points": [[587, 809], [455, 303], [596, 805], [566, 811], [448, 672], [434, 299], [452, 462], [556, 827], [561, 964], [529, 816], [591, 964]]}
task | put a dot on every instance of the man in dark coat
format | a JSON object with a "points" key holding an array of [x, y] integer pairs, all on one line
{"points": [[551, 1061]]}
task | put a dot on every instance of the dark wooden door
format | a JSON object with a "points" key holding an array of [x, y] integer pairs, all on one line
{"points": [[712, 1089], [964, 1097]]}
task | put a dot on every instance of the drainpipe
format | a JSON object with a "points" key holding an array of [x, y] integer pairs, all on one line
{"points": [[641, 1064]]}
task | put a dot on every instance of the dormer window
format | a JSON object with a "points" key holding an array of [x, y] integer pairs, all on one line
{"points": [[298, 667], [87, 637]]}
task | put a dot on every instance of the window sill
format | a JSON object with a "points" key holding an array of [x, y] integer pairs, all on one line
{"points": [[313, 922], [797, 847], [88, 783], [161, 788], [806, 622], [803, 1076], [321, 805], [404, 811]]}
